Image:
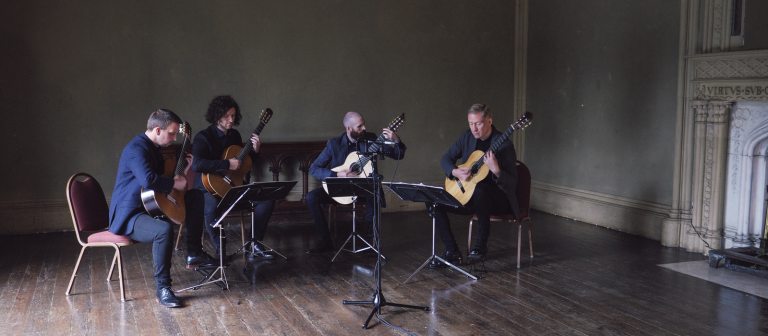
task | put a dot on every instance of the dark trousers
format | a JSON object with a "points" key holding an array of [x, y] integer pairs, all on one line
{"points": [[316, 199], [486, 200], [193, 233], [147, 229], [205, 216]]}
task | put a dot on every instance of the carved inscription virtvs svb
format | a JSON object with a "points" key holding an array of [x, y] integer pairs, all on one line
{"points": [[752, 90]]}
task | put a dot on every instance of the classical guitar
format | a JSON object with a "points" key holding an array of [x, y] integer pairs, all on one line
{"points": [[462, 190], [360, 164], [219, 185], [170, 205]]}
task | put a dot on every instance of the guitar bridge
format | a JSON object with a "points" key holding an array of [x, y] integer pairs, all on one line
{"points": [[170, 198]]}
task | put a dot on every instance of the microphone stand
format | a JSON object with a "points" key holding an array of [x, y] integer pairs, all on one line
{"points": [[378, 301]]}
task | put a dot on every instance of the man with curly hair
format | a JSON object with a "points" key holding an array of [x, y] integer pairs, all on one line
{"points": [[208, 148]]}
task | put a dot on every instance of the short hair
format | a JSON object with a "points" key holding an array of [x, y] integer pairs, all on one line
{"points": [[480, 109], [162, 118], [219, 107], [349, 116]]}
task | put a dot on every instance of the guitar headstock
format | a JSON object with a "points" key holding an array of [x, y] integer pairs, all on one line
{"points": [[397, 122], [185, 129], [266, 114], [523, 122]]}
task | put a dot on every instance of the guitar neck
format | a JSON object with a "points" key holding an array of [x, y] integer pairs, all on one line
{"points": [[246, 149], [501, 139], [497, 143], [181, 164]]}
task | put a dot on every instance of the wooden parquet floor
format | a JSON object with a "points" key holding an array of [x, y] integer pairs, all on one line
{"points": [[584, 280]]}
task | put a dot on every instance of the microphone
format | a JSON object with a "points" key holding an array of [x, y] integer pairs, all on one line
{"points": [[382, 142]]}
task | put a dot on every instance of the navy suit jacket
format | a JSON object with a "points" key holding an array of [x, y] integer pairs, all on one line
{"points": [[141, 165], [336, 150]]}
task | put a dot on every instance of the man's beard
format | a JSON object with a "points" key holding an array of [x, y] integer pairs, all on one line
{"points": [[356, 135]]}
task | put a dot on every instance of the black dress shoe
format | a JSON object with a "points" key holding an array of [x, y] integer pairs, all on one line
{"points": [[453, 257], [476, 254], [166, 298], [201, 259], [260, 252]]}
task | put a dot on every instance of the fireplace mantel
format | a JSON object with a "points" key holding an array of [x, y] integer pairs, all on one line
{"points": [[714, 84]]}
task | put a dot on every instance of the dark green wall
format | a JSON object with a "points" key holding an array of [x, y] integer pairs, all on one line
{"points": [[755, 25], [79, 78], [602, 81]]}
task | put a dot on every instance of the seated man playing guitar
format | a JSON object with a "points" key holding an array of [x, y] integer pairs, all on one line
{"points": [[493, 193], [209, 148], [328, 163], [141, 166]]}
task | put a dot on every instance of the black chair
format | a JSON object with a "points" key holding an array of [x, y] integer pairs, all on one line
{"points": [[524, 201]]}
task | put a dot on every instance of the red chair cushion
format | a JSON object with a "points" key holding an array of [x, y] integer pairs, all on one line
{"points": [[108, 237]]}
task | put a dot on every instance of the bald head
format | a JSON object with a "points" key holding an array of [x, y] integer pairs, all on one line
{"points": [[354, 124], [351, 118]]}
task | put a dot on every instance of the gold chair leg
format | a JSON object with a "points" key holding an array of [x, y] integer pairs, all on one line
{"points": [[242, 229], [119, 257], [469, 235], [519, 241], [74, 272], [530, 237], [178, 237], [112, 267]]}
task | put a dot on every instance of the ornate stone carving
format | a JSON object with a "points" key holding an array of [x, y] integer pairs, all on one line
{"points": [[744, 197], [730, 68], [733, 90]]}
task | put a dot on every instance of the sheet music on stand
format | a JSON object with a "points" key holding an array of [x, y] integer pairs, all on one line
{"points": [[254, 192], [419, 192], [349, 186], [234, 198], [432, 196]]}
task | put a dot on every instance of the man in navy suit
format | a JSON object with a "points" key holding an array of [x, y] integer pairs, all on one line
{"points": [[333, 155], [141, 166]]}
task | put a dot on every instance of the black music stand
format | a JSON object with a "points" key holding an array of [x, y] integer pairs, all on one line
{"points": [[372, 185], [257, 191], [433, 196], [268, 191], [355, 188]]}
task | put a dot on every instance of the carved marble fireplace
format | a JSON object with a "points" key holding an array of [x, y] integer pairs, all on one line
{"points": [[722, 149], [746, 183]]}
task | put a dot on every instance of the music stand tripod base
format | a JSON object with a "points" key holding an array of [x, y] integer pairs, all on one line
{"points": [[433, 196], [248, 247], [371, 186], [257, 191], [379, 301], [268, 191], [353, 236]]}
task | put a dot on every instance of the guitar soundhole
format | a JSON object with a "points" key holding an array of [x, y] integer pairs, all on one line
{"points": [[354, 168]]}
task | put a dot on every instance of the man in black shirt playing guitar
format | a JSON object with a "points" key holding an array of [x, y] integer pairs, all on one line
{"points": [[493, 192]]}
